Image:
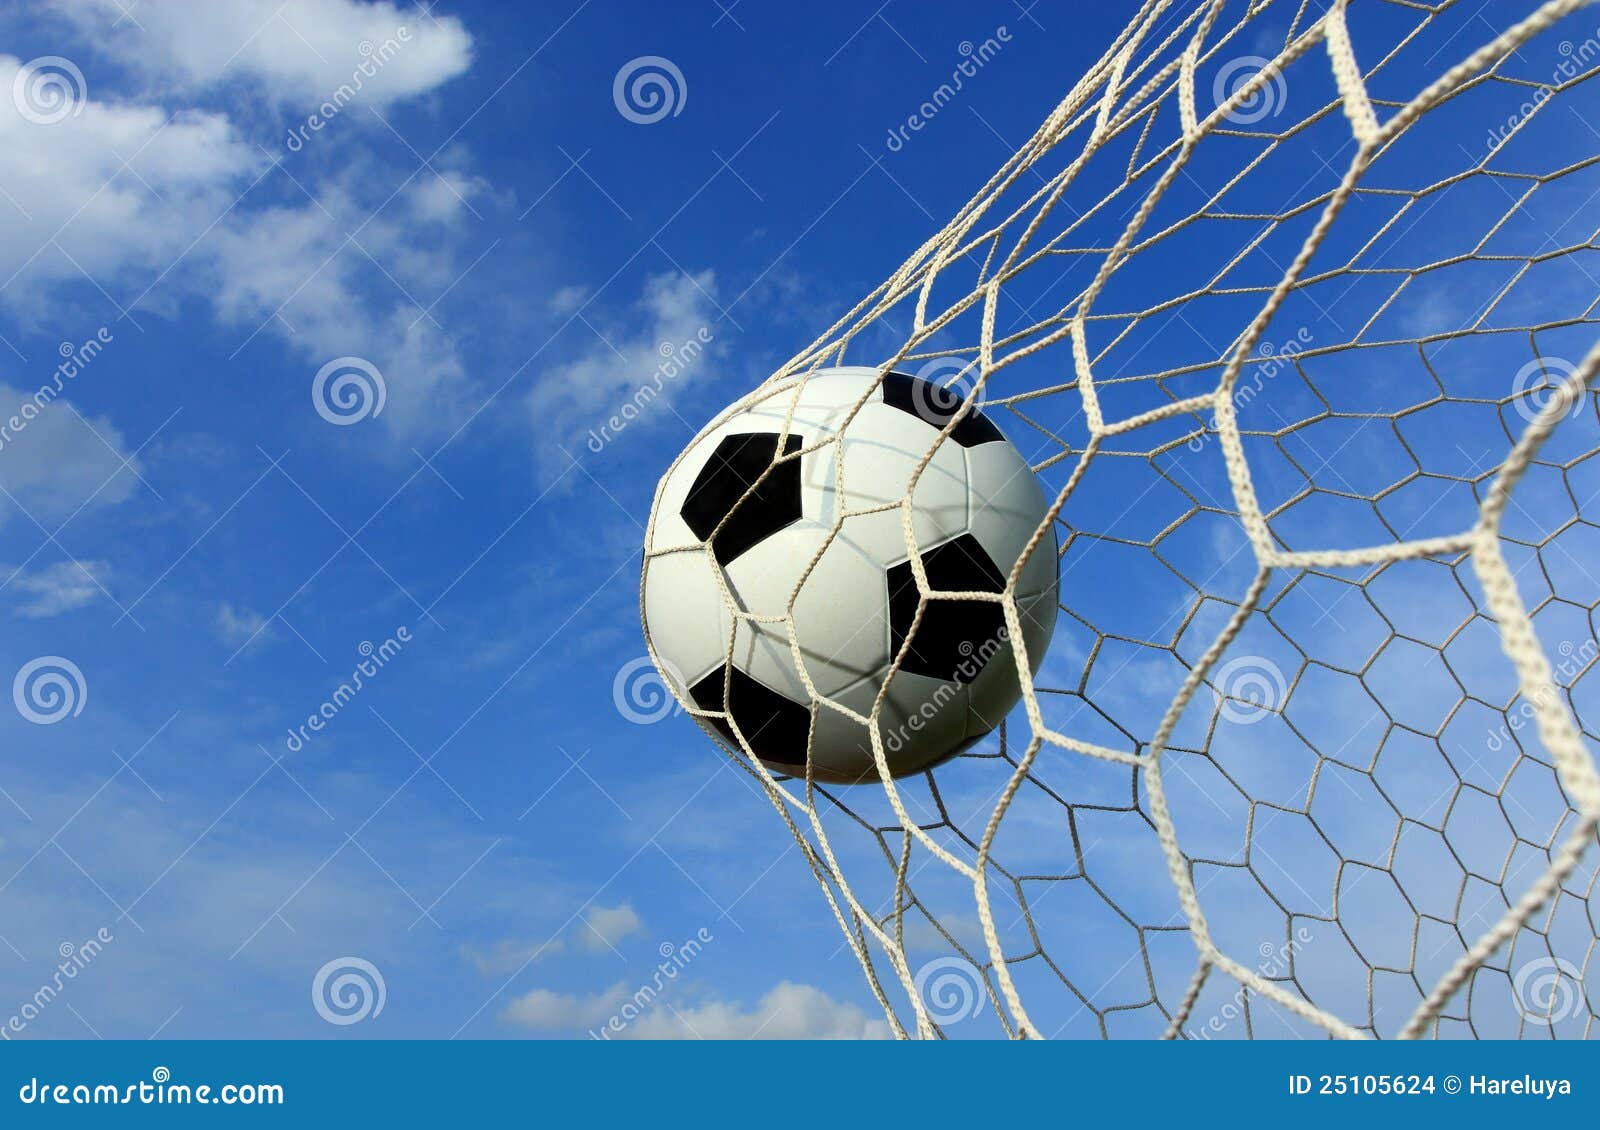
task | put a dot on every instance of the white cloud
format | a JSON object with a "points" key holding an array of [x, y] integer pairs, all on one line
{"points": [[73, 208], [148, 206], [299, 52], [296, 273], [549, 1011], [566, 299], [57, 588], [237, 626], [787, 1012], [59, 461], [608, 925], [442, 198]]}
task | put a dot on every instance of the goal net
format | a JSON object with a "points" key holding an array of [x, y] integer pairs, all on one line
{"points": [[1293, 309]]}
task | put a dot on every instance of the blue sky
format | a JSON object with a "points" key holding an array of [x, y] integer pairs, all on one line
{"points": [[484, 228], [510, 289]]}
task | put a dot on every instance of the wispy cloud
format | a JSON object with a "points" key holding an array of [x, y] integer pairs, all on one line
{"points": [[788, 1011], [237, 626], [57, 588], [618, 359], [508, 955]]}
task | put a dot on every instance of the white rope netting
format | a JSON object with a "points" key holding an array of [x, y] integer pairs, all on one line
{"points": [[1293, 311]]}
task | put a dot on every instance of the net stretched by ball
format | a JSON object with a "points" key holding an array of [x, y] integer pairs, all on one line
{"points": [[1291, 309]]}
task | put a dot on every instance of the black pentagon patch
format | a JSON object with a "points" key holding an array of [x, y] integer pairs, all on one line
{"points": [[736, 464], [777, 728], [935, 404], [956, 638]]}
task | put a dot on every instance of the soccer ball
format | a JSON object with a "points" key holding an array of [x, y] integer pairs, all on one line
{"points": [[745, 520]]}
